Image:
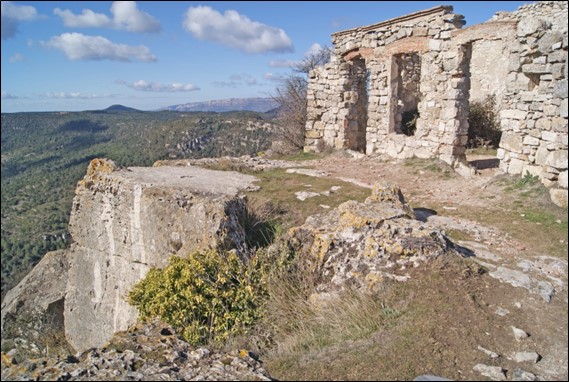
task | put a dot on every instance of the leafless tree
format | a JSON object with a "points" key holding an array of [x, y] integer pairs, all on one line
{"points": [[290, 95]]}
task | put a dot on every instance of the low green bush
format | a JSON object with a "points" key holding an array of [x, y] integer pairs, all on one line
{"points": [[207, 297]]}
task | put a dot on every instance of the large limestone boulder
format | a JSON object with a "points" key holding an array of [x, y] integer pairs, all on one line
{"points": [[358, 245], [39, 296], [125, 221]]}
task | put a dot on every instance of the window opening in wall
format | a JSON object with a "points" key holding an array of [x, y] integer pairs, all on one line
{"points": [[406, 92]]}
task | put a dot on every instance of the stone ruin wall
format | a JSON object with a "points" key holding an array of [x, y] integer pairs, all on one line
{"points": [[333, 97], [534, 110], [426, 61]]}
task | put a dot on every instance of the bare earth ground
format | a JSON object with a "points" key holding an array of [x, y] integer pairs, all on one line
{"points": [[519, 239]]}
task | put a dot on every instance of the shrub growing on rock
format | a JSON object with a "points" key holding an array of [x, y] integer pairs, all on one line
{"points": [[207, 296]]}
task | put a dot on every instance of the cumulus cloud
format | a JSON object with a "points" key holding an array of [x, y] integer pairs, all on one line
{"points": [[11, 14], [6, 95], [274, 77], [87, 19], [235, 30], [77, 46], [145, 86], [15, 58], [126, 16]]}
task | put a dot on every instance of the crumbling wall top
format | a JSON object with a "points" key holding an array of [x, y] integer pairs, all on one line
{"points": [[444, 9]]}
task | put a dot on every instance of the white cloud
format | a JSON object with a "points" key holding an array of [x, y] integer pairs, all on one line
{"points": [[126, 16], [283, 63], [15, 58], [144, 86], [6, 95], [18, 12], [314, 49], [274, 77], [77, 46], [235, 30], [86, 19], [11, 14], [75, 95]]}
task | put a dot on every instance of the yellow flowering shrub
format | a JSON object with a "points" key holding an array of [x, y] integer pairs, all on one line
{"points": [[207, 296]]}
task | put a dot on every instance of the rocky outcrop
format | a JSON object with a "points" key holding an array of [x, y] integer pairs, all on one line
{"points": [[125, 221], [144, 353], [358, 245], [39, 296]]}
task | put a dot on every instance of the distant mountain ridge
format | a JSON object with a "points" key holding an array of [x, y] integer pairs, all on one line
{"points": [[258, 104]]}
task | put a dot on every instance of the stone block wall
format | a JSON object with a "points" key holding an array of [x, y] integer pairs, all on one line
{"points": [[427, 61], [534, 110]]}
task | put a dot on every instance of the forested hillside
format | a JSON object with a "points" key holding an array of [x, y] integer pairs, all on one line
{"points": [[45, 154]]}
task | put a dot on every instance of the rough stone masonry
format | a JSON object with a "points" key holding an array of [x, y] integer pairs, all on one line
{"points": [[426, 66]]}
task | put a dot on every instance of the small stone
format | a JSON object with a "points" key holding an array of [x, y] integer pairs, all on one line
{"points": [[489, 353], [519, 333], [502, 312], [528, 356], [522, 375], [495, 373], [303, 195]]}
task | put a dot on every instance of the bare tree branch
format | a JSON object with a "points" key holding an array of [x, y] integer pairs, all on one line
{"points": [[291, 98]]}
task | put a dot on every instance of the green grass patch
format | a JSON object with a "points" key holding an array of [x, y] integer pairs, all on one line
{"points": [[280, 187]]}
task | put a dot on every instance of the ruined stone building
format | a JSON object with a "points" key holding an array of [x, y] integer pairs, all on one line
{"points": [[425, 67]]}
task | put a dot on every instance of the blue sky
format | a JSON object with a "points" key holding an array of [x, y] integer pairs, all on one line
{"points": [[89, 55]]}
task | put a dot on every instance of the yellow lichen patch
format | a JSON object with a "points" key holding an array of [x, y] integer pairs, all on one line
{"points": [[320, 247], [386, 192], [373, 280], [101, 166], [393, 247], [370, 247], [97, 167], [6, 360]]}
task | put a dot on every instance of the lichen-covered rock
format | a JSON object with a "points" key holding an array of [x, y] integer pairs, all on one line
{"points": [[360, 244], [149, 352], [125, 221]]}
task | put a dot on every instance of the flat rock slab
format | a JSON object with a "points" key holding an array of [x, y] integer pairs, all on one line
{"points": [[303, 195], [308, 172], [194, 179], [520, 279]]}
